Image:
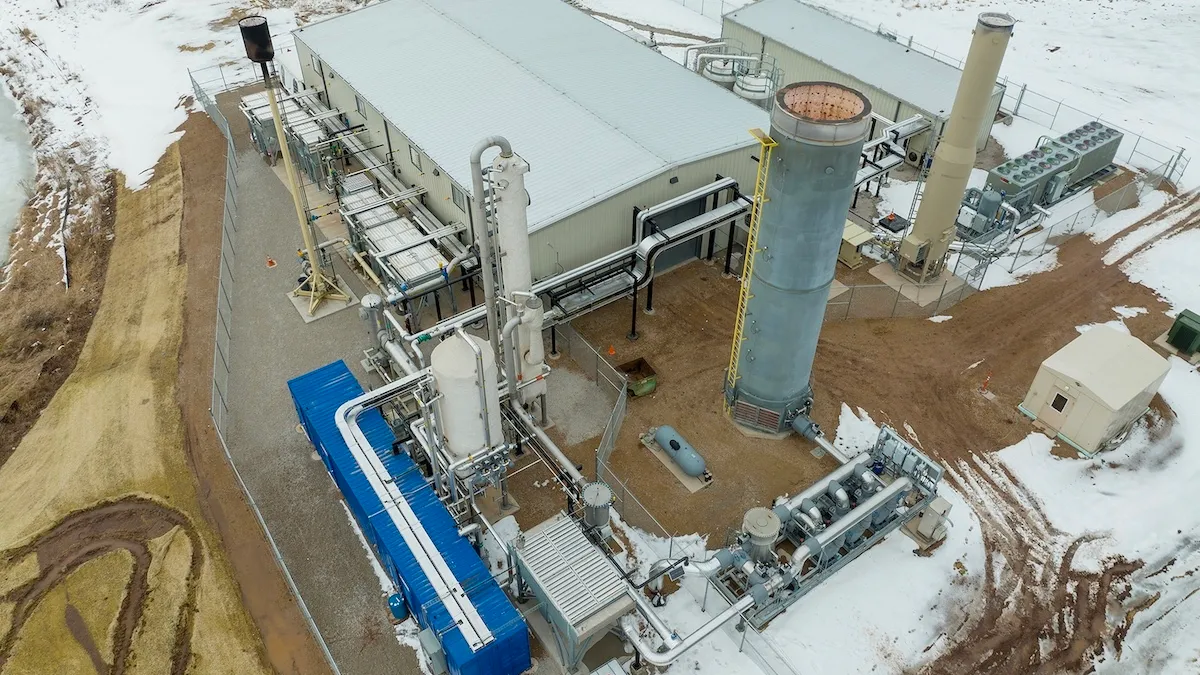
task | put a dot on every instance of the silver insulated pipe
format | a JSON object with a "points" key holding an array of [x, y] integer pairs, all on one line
{"points": [[820, 128]]}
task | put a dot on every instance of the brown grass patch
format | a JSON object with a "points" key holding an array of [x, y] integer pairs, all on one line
{"points": [[198, 48]]}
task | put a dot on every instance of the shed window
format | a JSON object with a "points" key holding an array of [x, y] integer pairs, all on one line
{"points": [[361, 106], [459, 197], [1059, 403], [317, 65], [414, 156]]}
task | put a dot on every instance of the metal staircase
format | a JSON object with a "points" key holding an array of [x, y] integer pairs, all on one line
{"points": [[922, 175], [766, 144]]}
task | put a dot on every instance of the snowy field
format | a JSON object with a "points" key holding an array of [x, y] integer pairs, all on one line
{"points": [[16, 167]]}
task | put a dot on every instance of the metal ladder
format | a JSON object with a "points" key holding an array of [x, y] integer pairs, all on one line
{"points": [[766, 145], [922, 175]]}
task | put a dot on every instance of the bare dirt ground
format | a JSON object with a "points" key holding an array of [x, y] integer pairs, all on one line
{"points": [[1035, 613], [101, 483], [43, 325], [289, 644]]}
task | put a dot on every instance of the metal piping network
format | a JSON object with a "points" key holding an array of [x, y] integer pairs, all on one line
{"points": [[664, 658]]}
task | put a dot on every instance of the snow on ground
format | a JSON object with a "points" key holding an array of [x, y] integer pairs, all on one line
{"points": [[1108, 227], [1133, 499], [1169, 267], [406, 631], [16, 167], [1127, 61], [131, 62], [859, 620], [659, 14], [940, 318]]}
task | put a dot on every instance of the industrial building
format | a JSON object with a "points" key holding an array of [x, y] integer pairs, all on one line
{"points": [[1091, 391], [808, 43], [605, 123]]}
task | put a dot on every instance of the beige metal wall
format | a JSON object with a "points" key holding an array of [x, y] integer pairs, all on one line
{"points": [[607, 226], [1089, 423], [798, 67], [573, 241], [432, 177]]}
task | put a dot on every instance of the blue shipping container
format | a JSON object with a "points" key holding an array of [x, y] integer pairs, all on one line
{"points": [[317, 396]]}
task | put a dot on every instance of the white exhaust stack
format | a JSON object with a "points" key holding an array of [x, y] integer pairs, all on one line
{"points": [[923, 251]]}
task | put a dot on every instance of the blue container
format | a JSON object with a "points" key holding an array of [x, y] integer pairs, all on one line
{"points": [[399, 609], [317, 396]]}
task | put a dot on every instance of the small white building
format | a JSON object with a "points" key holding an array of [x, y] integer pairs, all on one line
{"points": [[1094, 388]]}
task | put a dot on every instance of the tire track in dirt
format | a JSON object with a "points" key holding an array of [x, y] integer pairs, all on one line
{"points": [[1033, 612], [127, 524], [1037, 614]]}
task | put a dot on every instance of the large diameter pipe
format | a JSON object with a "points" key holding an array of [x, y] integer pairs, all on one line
{"points": [[820, 128], [664, 658], [954, 158], [856, 516], [559, 457], [484, 235], [819, 487]]}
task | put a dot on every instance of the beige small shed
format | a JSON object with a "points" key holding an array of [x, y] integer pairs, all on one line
{"points": [[1094, 388]]}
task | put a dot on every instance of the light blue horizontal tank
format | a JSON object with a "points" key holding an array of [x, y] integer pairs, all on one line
{"points": [[820, 128], [680, 450]]}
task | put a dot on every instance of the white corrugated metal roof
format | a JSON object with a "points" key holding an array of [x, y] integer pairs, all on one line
{"points": [[1114, 366], [592, 111], [909, 75]]}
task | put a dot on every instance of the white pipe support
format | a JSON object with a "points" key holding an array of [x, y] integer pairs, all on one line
{"points": [[664, 658]]}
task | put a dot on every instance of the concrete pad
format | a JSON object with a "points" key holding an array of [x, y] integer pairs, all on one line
{"points": [[1161, 343], [327, 307], [836, 289], [692, 483], [921, 294]]}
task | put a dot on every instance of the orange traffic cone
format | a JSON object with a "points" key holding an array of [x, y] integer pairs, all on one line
{"points": [[612, 351], [270, 262]]}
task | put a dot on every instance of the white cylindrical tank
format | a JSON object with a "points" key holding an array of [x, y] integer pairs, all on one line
{"points": [[721, 71], [470, 422], [755, 87]]}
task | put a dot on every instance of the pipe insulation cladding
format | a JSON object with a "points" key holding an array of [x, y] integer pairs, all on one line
{"points": [[923, 251], [820, 128]]}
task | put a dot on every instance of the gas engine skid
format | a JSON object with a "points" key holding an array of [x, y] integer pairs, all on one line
{"points": [[784, 552]]}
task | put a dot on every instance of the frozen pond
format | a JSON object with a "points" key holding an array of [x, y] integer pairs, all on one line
{"points": [[16, 165]]}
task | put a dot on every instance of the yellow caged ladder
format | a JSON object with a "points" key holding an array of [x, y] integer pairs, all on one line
{"points": [[766, 144]]}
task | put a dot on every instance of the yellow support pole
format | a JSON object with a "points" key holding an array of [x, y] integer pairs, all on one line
{"points": [[766, 145], [320, 286]]}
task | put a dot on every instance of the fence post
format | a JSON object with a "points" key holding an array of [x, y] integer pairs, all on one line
{"points": [[1134, 150], [1058, 109], [849, 303], [1020, 97], [896, 303]]}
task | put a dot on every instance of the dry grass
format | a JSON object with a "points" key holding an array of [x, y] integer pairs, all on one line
{"points": [[42, 325], [112, 430], [198, 48], [50, 639]]}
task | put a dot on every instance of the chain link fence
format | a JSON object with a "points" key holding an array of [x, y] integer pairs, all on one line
{"points": [[1048, 238], [1054, 114], [206, 91], [206, 94]]}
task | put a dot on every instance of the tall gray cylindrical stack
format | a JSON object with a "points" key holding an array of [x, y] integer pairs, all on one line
{"points": [[820, 128]]}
